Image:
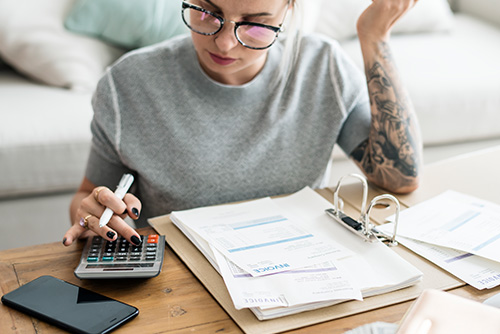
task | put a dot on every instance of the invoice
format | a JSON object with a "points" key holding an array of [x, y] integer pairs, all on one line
{"points": [[259, 236]]}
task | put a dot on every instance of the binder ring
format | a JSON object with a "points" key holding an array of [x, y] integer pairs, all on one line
{"points": [[371, 230], [363, 227], [336, 194]]}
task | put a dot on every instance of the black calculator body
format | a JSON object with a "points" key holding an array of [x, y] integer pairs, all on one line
{"points": [[121, 259]]}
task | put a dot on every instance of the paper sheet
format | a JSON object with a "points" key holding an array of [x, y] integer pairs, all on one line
{"points": [[325, 281], [479, 272], [259, 237], [456, 221]]}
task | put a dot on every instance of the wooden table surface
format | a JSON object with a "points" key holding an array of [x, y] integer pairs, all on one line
{"points": [[175, 301]]}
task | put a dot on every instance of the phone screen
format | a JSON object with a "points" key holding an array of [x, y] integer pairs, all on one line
{"points": [[69, 306]]}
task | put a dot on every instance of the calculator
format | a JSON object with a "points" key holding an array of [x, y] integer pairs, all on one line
{"points": [[121, 259]]}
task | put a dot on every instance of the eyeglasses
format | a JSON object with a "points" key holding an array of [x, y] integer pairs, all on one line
{"points": [[252, 35]]}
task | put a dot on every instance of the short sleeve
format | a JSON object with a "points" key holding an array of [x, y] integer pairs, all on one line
{"points": [[356, 127], [351, 82], [104, 166]]}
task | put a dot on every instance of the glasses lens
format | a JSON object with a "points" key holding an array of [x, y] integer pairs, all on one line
{"points": [[256, 36], [200, 21]]}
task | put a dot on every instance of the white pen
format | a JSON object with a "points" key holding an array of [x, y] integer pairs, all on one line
{"points": [[122, 188]]}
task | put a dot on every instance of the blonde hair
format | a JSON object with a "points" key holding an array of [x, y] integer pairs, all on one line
{"points": [[291, 42]]}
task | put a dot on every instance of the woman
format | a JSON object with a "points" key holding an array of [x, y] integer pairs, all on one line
{"points": [[229, 113]]}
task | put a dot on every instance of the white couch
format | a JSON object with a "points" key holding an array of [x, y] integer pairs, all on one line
{"points": [[453, 78]]}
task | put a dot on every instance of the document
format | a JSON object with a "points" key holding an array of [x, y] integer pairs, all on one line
{"points": [[320, 282], [457, 221], [326, 263], [259, 237], [479, 272]]}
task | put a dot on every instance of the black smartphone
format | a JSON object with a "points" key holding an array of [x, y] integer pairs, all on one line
{"points": [[68, 306]]}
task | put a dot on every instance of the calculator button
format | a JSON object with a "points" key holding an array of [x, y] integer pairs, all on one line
{"points": [[150, 258], [121, 258], [92, 259], [135, 258], [107, 258], [153, 239]]}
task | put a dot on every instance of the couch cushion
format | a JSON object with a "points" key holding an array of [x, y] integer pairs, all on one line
{"points": [[488, 10], [130, 24], [44, 136], [453, 79], [338, 18], [34, 41]]}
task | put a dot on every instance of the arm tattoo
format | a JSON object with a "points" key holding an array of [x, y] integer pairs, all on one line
{"points": [[390, 156]]}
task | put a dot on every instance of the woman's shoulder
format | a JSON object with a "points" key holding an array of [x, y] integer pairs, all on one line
{"points": [[318, 49], [319, 44], [318, 53], [157, 53]]}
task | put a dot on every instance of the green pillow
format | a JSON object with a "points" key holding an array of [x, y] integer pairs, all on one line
{"points": [[127, 23]]}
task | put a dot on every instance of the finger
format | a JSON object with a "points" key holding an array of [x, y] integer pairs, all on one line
{"points": [[75, 232], [134, 206], [90, 205], [124, 229], [107, 198], [72, 234], [96, 192], [105, 232]]}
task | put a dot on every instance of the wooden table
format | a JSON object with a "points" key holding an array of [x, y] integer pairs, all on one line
{"points": [[176, 302]]}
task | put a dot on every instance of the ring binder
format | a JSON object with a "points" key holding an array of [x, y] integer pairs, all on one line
{"points": [[362, 227]]}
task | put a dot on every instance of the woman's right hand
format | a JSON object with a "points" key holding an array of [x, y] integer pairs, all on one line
{"points": [[88, 206]]}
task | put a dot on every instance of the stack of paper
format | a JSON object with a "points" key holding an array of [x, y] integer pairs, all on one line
{"points": [[457, 232], [283, 256]]}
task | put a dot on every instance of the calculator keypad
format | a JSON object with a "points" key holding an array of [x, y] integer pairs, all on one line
{"points": [[120, 250], [120, 258]]}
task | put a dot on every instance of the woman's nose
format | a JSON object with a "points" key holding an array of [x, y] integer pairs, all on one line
{"points": [[226, 39]]}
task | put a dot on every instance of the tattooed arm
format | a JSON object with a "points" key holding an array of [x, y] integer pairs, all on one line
{"points": [[391, 156]]}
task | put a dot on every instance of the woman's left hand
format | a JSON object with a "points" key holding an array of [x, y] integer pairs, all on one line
{"points": [[376, 22]]}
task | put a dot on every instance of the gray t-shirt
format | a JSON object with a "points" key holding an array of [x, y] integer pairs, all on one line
{"points": [[191, 141]]}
